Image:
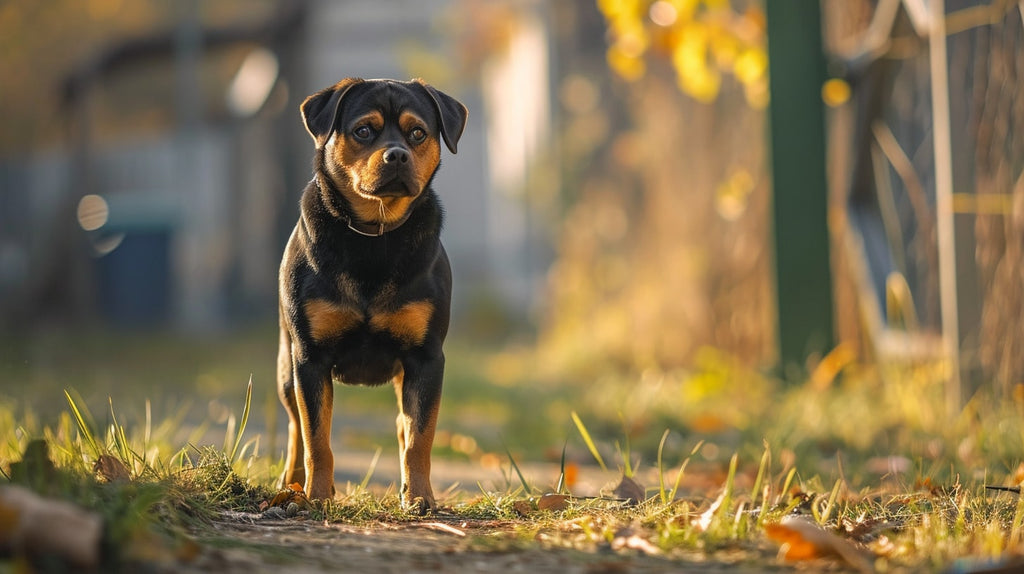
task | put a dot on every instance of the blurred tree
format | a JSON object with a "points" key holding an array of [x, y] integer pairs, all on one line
{"points": [[998, 120], [664, 246]]}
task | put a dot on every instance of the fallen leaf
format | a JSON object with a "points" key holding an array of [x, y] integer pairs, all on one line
{"points": [[704, 522], [111, 469], [630, 491], [522, 508], [292, 494], [281, 498], [552, 501], [801, 539]]}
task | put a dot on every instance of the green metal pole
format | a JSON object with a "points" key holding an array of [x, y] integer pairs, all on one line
{"points": [[803, 283]]}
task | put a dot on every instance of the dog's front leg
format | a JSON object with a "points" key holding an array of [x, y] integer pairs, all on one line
{"points": [[314, 394], [418, 387]]}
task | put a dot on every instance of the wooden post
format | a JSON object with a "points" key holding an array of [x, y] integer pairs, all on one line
{"points": [[803, 279], [945, 231]]}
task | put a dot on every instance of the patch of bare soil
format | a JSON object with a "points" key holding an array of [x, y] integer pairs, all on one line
{"points": [[251, 544]]}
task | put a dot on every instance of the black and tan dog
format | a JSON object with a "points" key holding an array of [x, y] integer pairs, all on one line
{"points": [[365, 285]]}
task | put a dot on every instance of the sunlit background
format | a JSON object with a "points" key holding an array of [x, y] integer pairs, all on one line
{"points": [[610, 212]]}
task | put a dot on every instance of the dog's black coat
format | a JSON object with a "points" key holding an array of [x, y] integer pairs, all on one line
{"points": [[365, 284]]}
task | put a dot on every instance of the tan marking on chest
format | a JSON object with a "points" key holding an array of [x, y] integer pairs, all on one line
{"points": [[328, 320], [408, 324]]}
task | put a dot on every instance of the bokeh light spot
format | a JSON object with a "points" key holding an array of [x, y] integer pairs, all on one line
{"points": [[663, 13], [93, 212]]}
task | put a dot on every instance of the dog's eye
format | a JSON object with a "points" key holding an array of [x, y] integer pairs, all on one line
{"points": [[363, 132], [417, 135]]}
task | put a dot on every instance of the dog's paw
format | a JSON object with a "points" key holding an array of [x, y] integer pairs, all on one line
{"points": [[420, 505]]}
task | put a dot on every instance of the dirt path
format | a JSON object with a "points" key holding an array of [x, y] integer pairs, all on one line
{"points": [[249, 543], [255, 546]]}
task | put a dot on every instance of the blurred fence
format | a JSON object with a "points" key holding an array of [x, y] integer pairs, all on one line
{"points": [[889, 167]]}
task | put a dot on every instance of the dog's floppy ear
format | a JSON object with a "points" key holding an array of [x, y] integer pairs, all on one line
{"points": [[321, 109], [452, 113]]}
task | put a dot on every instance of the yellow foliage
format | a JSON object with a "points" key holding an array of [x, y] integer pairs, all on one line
{"points": [[702, 38], [751, 65]]}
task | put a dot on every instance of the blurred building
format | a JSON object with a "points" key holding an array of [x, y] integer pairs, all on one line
{"points": [[175, 187]]}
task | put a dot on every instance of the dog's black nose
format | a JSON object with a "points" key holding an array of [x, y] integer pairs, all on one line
{"points": [[396, 155]]}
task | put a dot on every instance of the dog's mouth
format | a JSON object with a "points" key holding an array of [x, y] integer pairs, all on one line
{"points": [[394, 187]]}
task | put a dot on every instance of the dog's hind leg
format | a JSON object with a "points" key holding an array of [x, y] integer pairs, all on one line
{"points": [[314, 395], [294, 470]]}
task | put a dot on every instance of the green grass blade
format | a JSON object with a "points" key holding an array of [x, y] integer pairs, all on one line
{"points": [[661, 469], [762, 471], [730, 480], [682, 470], [788, 482], [84, 426], [487, 497], [627, 464], [561, 475], [826, 513], [589, 441], [245, 420], [121, 445], [370, 471], [727, 495], [515, 467]]}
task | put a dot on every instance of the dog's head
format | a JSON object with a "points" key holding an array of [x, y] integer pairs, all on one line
{"points": [[380, 141]]}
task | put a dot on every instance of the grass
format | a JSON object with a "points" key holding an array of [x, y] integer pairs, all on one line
{"points": [[870, 459]]}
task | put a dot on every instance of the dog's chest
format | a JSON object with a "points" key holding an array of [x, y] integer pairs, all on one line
{"points": [[382, 312]]}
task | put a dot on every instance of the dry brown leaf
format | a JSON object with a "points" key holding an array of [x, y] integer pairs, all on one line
{"points": [[110, 469], [801, 539], [522, 508], [630, 491], [553, 501]]}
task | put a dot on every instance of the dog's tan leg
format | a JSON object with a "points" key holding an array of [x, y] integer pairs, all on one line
{"points": [[315, 399], [402, 428], [418, 400], [293, 466]]}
